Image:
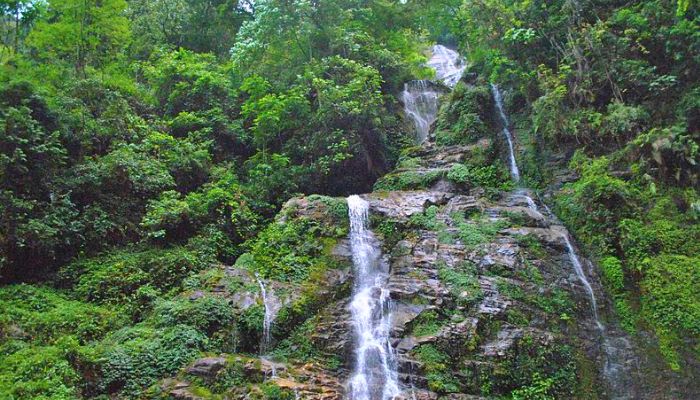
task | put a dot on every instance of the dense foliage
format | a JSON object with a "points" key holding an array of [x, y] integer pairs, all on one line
{"points": [[616, 83], [146, 144]]}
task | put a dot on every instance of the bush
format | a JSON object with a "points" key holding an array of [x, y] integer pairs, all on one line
{"points": [[207, 314], [465, 115], [45, 314], [613, 274], [41, 372], [463, 282], [134, 358], [436, 365], [289, 251], [120, 277], [671, 301], [489, 176]]}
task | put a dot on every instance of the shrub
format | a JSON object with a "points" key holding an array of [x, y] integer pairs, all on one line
{"points": [[427, 323], [41, 372], [207, 314], [120, 277], [135, 357], [45, 314], [289, 251], [463, 282], [613, 274], [671, 300], [408, 180]]}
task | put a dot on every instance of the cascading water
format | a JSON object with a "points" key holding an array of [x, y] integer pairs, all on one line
{"points": [[271, 310], [421, 97], [375, 374], [514, 172], [576, 262], [619, 356], [448, 65]]}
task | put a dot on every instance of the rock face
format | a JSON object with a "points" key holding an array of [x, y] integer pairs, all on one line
{"points": [[485, 303]]}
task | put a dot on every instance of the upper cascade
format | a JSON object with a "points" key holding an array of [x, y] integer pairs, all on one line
{"points": [[449, 66], [420, 97]]}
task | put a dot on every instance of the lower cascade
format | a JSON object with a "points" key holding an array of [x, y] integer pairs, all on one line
{"points": [[271, 309], [375, 372]]}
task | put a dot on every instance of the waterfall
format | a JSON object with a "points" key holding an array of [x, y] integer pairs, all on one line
{"points": [[375, 374], [573, 257], [514, 172], [271, 309], [616, 349], [421, 97], [420, 101], [448, 65], [267, 320]]}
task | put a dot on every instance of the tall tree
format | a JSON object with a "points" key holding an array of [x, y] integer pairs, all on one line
{"points": [[82, 32], [16, 16]]}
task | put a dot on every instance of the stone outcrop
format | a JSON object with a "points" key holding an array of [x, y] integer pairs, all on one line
{"points": [[482, 290]]}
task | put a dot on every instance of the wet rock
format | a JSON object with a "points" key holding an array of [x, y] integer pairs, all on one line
{"points": [[207, 367], [493, 303], [550, 237], [503, 342], [198, 294], [183, 394], [401, 205], [342, 249]]}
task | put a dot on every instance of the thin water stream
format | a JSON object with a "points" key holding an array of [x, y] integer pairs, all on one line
{"points": [[617, 350], [271, 309], [514, 171]]}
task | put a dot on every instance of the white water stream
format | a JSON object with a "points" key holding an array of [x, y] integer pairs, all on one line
{"points": [[375, 374], [620, 360], [421, 97], [514, 172], [271, 309]]}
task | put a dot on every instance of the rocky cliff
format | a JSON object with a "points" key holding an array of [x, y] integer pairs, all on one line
{"points": [[486, 301]]}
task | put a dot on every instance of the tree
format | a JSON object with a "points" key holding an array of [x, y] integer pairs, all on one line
{"points": [[16, 16], [82, 32]]}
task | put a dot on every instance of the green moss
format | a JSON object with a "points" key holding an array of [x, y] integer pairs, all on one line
{"points": [[554, 302], [336, 207], [426, 220], [490, 176], [462, 281], [408, 180], [437, 368], [671, 301], [271, 391], [427, 323], [478, 230], [391, 231]]}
